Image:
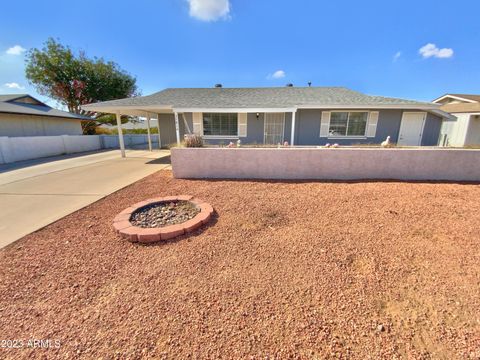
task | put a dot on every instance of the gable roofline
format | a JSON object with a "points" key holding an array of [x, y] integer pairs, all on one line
{"points": [[455, 96], [12, 97], [8, 105]]}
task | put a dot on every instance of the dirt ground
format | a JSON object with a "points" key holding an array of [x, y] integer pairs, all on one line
{"points": [[286, 270]]}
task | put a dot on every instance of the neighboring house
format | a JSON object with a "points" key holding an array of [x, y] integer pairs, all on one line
{"points": [[466, 129], [299, 115], [23, 115]]}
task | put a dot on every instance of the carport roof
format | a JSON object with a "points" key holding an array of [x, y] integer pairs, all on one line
{"points": [[178, 99]]}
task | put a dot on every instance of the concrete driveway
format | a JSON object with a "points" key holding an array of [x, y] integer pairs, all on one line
{"points": [[36, 193]]}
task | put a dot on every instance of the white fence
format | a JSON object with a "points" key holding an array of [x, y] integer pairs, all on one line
{"points": [[32, 147], [111, 141], [327, 164]]}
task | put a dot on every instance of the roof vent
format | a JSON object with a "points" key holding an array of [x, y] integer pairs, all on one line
{"points": [[289, 85], [218, 85]]}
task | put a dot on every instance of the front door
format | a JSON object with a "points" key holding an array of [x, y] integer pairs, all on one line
{"points": [[274, 128], [411, 128]]}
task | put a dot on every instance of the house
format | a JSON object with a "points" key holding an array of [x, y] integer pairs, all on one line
{"points": [[23, 115], [466, 129], [272, 115]]}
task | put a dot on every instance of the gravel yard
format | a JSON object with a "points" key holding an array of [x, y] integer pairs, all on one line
{"points": [[285, 270]]}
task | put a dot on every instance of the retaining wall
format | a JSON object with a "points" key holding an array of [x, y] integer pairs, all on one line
{"points": [[327, 164]]}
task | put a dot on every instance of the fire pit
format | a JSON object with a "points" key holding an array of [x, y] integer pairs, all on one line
{"points": [[162, 218]]}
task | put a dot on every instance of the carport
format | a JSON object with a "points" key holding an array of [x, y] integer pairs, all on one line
{"points": [[146, 111]]}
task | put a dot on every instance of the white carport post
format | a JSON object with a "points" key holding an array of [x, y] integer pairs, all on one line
{"points": [[159, 138], [177, 128], [120, 134], [293, 128], [148, 132]]}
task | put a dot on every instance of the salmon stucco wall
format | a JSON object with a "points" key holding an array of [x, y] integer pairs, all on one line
{"points": [[327, 164]]}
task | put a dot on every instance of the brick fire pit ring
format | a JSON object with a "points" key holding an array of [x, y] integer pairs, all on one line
{"points": [[133, 233]]}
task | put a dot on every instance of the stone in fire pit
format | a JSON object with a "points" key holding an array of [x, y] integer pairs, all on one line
{"points": [[164, 213], [162, 218]]}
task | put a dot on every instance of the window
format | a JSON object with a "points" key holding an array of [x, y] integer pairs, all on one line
{"points": [[353, 123], [220, 124]]}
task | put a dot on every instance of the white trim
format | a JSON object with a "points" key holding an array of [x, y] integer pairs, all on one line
{"points": [[292, 131], [130, 109], [236, 110], [372, 124], [421, 130], [159, 135], [242, 123], [197, 121], [313, 107], [453, 97], [120, 134], [149, 136], [324, 124], [177, 128], [443, 114], [371, 107]]}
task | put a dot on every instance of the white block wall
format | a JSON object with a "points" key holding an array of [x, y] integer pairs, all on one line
{"points": [[32, 147]]}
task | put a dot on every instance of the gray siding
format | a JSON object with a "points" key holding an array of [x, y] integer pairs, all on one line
{"points": [[307, 129], [255, 130], [431, 130]]}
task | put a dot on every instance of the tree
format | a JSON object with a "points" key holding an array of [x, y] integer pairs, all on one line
{"points": [[75, 80]]}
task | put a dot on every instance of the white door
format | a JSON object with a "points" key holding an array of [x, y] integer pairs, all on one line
{"points": [[411, 128], [274, 128]]}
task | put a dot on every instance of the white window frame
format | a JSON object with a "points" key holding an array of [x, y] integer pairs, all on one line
{"points": [[364, 136], [219, 136]]}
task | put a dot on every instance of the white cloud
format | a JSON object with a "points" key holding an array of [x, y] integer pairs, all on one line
{"points": [[14, 85], [397, 56], [278, 74], [430, 50], [15, 50], [209, 10]]}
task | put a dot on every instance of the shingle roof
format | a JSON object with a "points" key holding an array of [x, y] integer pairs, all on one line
{"points": [[266, 97], [8, 105]]}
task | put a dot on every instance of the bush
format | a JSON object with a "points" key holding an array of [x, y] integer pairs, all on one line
{"points": [[193, 141]]}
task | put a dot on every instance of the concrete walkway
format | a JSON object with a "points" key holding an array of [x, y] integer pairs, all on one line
{"points": [[66, 184]]}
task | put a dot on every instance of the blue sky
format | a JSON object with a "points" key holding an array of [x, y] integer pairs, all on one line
{"points": [[411, 49]]}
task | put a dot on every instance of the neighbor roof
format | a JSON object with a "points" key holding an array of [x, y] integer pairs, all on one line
{"points": [[266, 97], [467, 96], [9, 104], [461, 108]]}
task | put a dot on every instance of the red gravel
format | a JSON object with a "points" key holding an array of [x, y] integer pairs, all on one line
{"points": [[300, 270]]}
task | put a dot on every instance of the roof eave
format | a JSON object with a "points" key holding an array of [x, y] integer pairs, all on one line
{"points": [[73, 118], [453, 97], [419, 106]]}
